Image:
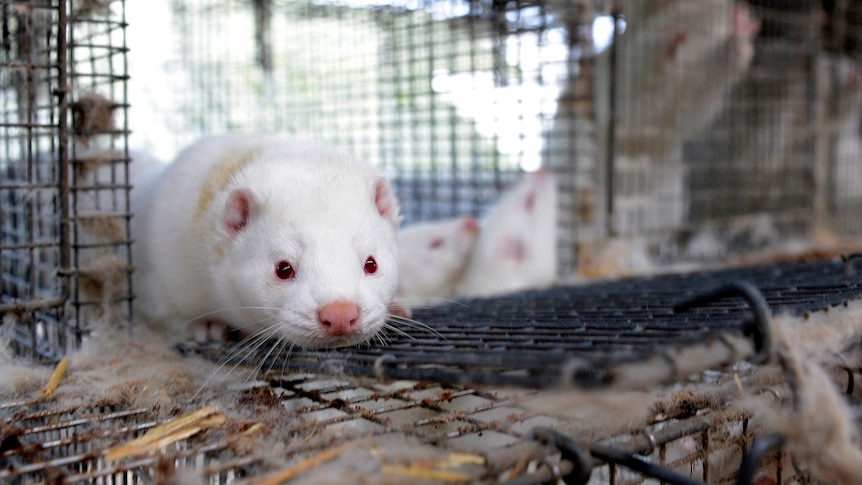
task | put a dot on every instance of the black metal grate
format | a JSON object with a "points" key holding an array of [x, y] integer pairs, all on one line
{"points": [[582, 335]]}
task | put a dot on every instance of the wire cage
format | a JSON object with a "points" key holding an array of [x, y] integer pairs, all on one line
{"points": [[732, 135], [695, 147], [64, 188]]}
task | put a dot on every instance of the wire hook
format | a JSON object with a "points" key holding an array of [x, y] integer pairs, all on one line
{"points": [[759, 329]]}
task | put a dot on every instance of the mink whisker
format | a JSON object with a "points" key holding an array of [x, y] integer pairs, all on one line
{"points": [[411, 323]]}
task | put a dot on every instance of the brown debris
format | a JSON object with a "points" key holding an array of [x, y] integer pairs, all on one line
{"points": [[820, 429], [102, 225], [104, 279], [92, 8], [92, 114], [86, 164]]}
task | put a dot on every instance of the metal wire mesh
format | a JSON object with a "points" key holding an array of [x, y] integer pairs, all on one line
{"points": [[744, 129], [433, 92], [600, 335], [62, 79], [43, 440]]}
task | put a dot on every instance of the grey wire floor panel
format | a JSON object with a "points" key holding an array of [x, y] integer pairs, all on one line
{"points": [[526, 339]]}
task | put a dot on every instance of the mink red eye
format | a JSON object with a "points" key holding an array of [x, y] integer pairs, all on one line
{"points": [[284, 271], [370, 265], [436, 243]]}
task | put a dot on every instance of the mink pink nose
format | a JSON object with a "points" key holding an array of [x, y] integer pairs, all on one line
{"points": [[338, 318], [470, 225]]}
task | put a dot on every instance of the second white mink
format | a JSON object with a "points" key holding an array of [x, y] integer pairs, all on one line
{"points": [[517, 245], [433, 257], [270, 237]]}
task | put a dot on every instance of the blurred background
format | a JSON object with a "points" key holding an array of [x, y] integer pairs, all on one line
{"points": [[680, 131]]}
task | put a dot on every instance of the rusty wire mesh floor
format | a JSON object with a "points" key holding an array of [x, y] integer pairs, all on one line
{"points": [[414, 427], [580, 335], [525, 338]]}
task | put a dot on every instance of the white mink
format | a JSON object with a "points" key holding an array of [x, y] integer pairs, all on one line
{"points": [[269, 237], [674, 67], [517, 245], [677, 61], [433, 256]]}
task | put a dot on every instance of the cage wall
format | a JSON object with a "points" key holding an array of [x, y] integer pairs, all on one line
{"points": [[694, 130], [451, 98], [63, 152], [722, 142]]}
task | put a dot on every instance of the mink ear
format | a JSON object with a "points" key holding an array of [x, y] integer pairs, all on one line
{"points": [[240, 208], [385, 202]]}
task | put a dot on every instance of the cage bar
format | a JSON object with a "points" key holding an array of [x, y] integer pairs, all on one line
{"points": [[56, 57]]}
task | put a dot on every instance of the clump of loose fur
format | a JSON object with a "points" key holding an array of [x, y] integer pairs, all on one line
{"points": [[104, 277], [820, 335], [821, 433], [92, 114], [103, 281], [820, 430], [101, 225], [135, 368], [89, 163], [16, 377], [92, 8]]}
